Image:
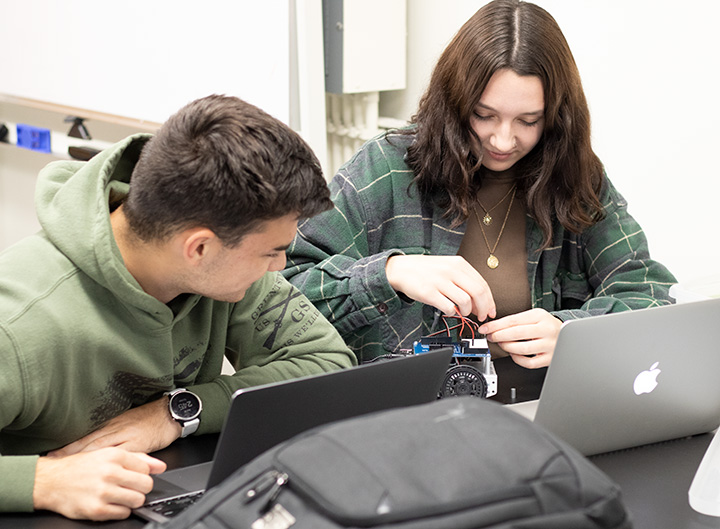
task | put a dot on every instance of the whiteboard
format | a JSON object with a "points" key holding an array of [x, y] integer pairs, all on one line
{"points": [[144, 59]]}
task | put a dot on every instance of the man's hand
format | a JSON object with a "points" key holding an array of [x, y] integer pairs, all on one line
{"points": [[101, 485], [445, 282], [522, 335], [146, 428]]}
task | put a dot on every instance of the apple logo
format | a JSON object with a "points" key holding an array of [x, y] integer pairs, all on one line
{"points": [[646, 381]]}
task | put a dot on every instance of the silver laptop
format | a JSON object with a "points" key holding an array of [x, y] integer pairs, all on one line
{"points": [[263, 416], [632, 378]]}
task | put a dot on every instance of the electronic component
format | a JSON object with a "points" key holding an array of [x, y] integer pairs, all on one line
{"points": [[33, 138], [472, 371]]}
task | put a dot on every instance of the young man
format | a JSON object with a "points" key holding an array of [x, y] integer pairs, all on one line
{"points": [[157, 258]]}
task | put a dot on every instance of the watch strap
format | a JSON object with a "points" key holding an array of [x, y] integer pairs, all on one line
{"points": [[190, 426]]}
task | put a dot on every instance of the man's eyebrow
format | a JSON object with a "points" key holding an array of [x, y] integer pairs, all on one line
{"points": [[281, 248], [533, 113]]}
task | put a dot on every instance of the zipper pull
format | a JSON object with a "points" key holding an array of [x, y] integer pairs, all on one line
{"points": [[280, 481], [261, 484]]}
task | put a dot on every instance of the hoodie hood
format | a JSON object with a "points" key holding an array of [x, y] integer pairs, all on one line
{"points": [[73, 201]]}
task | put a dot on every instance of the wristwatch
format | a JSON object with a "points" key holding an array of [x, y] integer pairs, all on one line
{"points": [[185, 408]]}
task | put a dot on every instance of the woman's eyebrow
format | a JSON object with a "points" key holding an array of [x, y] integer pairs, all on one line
{"points": [[537, 113]]}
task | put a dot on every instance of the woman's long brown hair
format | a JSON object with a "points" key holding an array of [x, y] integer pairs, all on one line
{"points": [[561, 177]]}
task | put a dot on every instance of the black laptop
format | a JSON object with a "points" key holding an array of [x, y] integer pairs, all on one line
{"points": [[263, 416]]}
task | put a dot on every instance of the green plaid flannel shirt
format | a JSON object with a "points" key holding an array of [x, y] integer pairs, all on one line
{"points": [[338, 257]]}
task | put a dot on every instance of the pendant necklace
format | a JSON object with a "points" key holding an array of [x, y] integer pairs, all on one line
{"points": [[492, 260], [487, 219]]}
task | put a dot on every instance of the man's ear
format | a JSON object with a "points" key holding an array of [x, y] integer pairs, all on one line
{"points": [[199, 244]]}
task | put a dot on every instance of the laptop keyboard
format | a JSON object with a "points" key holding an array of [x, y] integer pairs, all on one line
{"points": [[174, 506]]}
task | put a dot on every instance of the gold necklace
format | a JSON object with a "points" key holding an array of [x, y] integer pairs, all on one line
{"points": [[493, 261], [487, 219]]}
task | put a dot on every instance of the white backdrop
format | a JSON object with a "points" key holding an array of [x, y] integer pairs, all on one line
{"points": [[144, 59], [650, 72]]}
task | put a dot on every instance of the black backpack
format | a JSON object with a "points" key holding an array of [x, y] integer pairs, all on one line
{"points": [[454, 463]]}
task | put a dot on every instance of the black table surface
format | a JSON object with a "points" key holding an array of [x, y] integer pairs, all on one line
{"points": [[527, 383], [655, 480]]}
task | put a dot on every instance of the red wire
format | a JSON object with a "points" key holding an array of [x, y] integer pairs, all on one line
{"points": [[447, 330], [464, 322]]}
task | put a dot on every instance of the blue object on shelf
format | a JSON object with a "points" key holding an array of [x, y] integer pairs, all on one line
{"points": [[33, 138]]}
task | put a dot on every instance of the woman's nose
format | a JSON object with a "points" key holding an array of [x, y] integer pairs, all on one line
{"points": [[503, 139]]}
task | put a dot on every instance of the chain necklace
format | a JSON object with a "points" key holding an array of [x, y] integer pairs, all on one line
{"points": [[493, 261], [487, 219]]}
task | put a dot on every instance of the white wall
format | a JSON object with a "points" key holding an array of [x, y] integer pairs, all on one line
{"points": [[18, 168], [649, 68], [144, 60]]}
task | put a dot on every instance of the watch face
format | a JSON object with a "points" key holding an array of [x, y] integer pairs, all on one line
{"points": [[185, 405]]}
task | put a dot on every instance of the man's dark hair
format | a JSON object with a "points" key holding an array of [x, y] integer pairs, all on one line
{"points": [[222, 164]]}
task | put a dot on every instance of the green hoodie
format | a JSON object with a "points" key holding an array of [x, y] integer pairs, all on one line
{"points": [[81, 342]]}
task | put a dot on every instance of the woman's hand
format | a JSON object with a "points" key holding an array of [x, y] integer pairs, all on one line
{"points": [[529, 337], [448, 283]]}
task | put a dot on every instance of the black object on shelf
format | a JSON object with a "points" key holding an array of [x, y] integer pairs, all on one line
{"points": [[82, 153], [78, 129]]}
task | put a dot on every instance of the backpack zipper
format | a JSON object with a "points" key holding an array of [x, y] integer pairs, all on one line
{"points": [[270, 483]]}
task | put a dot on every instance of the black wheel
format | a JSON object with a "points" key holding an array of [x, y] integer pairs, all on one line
{"points": [[463, 379]]}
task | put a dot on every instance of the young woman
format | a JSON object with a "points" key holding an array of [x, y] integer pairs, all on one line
{"points": [[491, 203]]}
